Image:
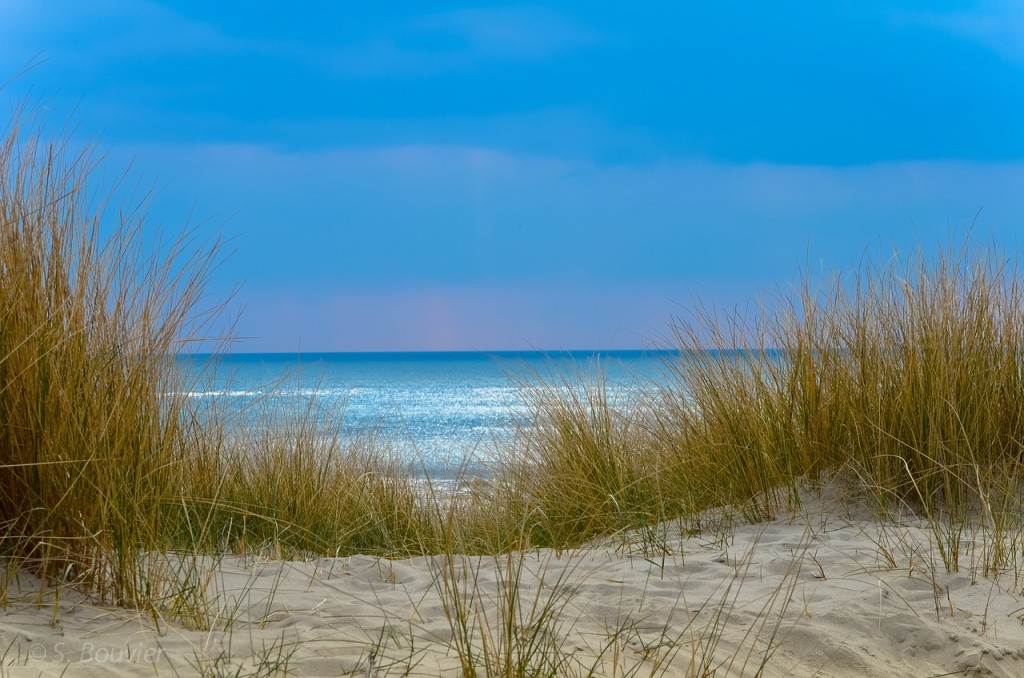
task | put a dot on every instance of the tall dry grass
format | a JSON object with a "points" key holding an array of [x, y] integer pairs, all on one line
{"points": [[581, 466], [89, 434], [105, 461], [909, 375], [298, 483]]}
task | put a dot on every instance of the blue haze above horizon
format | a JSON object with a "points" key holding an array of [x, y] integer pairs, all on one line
{"points": [[552, 176]]}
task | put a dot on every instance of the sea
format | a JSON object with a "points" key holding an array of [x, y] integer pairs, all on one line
{"points": [[440, 410]]}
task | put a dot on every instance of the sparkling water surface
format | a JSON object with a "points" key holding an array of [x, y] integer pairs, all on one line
{"points": [[437, 409]]}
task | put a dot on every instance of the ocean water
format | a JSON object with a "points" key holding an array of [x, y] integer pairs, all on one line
{"points": [[438, 409]]}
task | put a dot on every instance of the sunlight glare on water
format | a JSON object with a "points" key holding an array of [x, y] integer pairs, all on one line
{"points": [[437, 409]]}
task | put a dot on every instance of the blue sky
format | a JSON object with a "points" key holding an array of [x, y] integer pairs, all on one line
{"points": [[433, 176]]}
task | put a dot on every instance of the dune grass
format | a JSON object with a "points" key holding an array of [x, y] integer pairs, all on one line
{"points": [[89, 436], [910, 375], [104, 460], [907, 376]]}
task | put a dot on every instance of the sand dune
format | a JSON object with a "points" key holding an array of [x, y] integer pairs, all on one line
{"points": [[822, 592]]}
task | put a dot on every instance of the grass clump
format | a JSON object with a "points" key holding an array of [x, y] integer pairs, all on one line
{"points": [[89, 434], [582, 468], [105, 460], [910, 376], [294, 486]]}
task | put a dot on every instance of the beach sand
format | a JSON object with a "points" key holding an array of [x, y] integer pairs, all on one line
{"points": [[824, 590]]}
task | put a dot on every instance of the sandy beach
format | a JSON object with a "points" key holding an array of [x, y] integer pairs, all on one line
{"points": [[827, 590]]}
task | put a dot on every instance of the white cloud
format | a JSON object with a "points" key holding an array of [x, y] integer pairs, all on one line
{"points": [[427, 178], [96, 30], [485, 211], [997, 24], [458, 317], [515, 33], [462, 39], [466, 247]]}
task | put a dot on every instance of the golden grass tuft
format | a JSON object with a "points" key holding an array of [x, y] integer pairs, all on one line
{"points": [[104, 459], [910, 376], [88, 434]]}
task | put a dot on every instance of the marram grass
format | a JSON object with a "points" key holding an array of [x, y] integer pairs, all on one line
{"points": [[104, 461], [909, 377], [88, 438]]}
